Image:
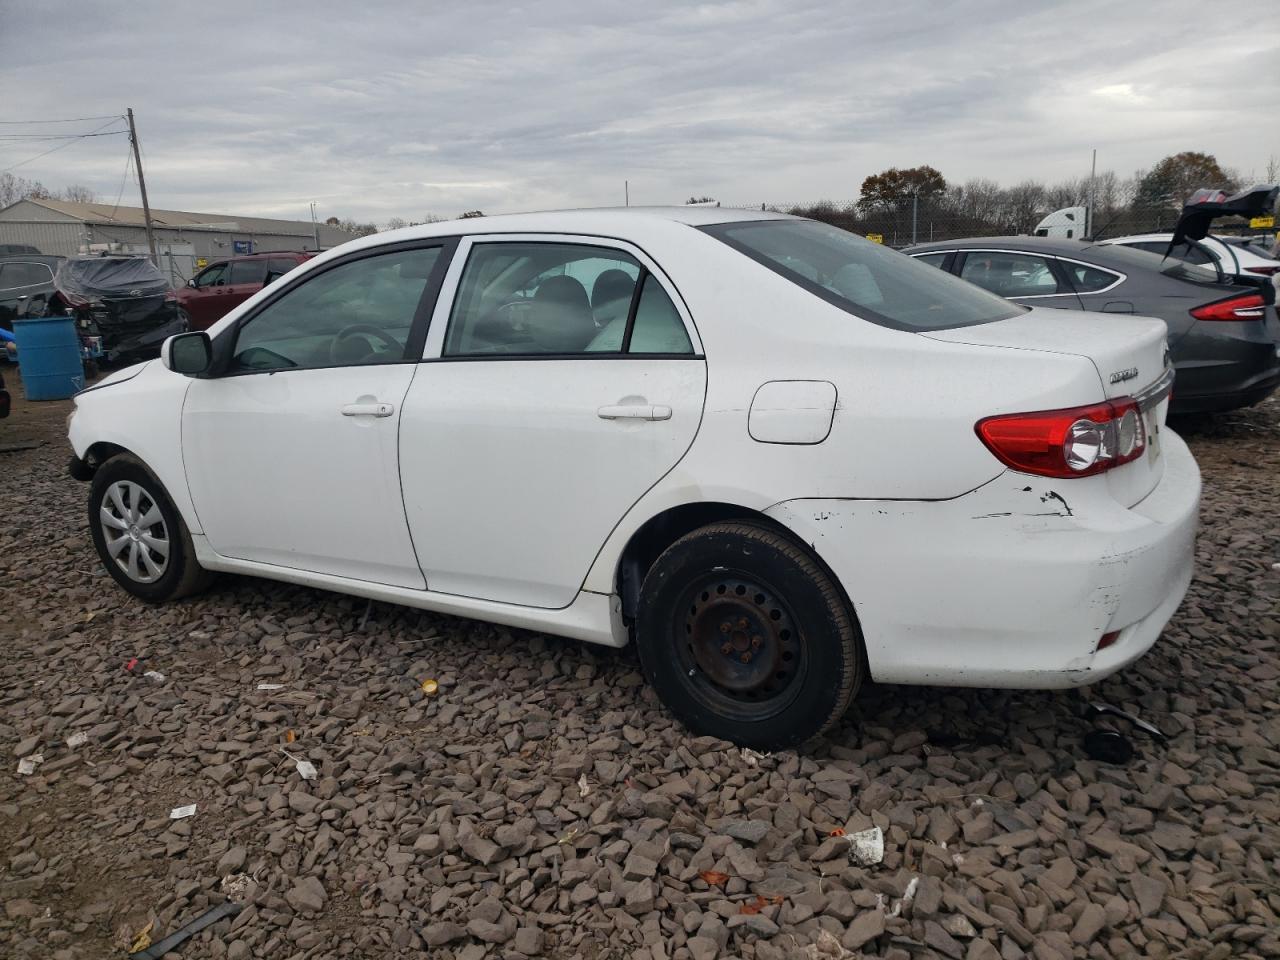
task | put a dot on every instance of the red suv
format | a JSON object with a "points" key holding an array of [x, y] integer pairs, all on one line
{"points": [[211, 293]]}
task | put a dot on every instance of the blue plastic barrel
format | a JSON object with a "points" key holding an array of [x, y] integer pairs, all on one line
{"points": [[49, 357]]}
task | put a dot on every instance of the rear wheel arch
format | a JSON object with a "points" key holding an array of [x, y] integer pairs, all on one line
{"points": [[660, 531]]}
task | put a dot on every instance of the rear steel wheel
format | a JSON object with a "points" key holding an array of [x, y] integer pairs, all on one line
{"points": [[745, 637]]}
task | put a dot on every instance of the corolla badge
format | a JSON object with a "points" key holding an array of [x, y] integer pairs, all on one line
{"points": [[1120, 376]]}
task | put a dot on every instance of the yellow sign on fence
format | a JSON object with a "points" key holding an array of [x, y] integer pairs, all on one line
{"points": [[876, 237], [1262, 223]]}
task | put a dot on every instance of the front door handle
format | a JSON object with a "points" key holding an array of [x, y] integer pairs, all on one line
{"points": [[634, 411], [368, 409]]}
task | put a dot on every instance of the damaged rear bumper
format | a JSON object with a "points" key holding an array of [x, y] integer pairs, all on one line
{"points": [[1012, 584]]}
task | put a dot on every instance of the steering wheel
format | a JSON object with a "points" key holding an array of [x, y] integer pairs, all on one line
{"points": [[358, 329]]}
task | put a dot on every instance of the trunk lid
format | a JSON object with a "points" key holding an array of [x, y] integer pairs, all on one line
{"points": [[1129, 354]]}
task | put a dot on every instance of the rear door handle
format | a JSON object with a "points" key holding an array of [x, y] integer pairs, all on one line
{"points": [[637, 411], [368, 410]]}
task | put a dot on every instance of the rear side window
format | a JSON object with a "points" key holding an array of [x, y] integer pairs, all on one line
{"points": [[932, 259], [280, 265], [1010, 274], [1088, 279], [560, 299], [24, 275], [1186, 252], [863, 278], [248, 271]]}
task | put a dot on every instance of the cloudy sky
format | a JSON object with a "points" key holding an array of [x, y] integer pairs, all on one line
{"points": [[375, 110]]}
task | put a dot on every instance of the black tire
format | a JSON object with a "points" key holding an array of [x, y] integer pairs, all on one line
{"points": [[179, 575], [745, 637]]}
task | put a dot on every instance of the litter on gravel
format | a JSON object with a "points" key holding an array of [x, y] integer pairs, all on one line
{"points": [[27, 765], [181, 813]]}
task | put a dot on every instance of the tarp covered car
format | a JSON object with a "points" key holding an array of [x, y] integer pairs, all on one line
{"points": [[124, 300]]}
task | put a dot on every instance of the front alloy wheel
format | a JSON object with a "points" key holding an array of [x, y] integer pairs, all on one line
{"points": [[134, 531], [139, 534]]}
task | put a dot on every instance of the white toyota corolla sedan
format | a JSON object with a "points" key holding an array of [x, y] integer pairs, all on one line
{"points": [[780, 457]]}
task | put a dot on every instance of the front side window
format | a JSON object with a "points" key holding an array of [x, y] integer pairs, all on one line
{"points": [[1010, 274], [555, 299], [248, 271], [213, 276], [865, 279], [359, 312]]}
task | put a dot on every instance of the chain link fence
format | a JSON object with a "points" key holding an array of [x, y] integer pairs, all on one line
{"points": [[910, 221]]}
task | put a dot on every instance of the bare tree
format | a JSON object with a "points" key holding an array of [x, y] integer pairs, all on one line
{"points": [[79, 193], [395, 223]]}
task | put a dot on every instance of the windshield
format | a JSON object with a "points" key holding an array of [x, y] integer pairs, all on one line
{"points": [[864, 278]]}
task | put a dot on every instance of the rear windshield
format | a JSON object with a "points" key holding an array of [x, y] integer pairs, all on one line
{"points": [[1126, 257], [864, 278]]}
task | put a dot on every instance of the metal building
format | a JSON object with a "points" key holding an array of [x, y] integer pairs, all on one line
{"points": [[68, 228]]}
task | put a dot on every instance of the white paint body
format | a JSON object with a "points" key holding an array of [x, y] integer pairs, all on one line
{"points": [[498, 490]]}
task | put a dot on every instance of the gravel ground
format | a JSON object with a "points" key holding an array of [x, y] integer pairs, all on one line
{"points": [[541, 803]]}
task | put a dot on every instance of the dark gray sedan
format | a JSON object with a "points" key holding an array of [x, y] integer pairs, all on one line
{"points": [[1224, 334]]}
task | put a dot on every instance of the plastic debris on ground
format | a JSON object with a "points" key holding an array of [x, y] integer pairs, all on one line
{"points": [[429, 686], [584, 788], [155, 675], [271, 686], [306, 769], [181, 813], [236, 885], [27, 765], [866, 847], [750, 757], [211, 916], [143, 939], [77, 739]]}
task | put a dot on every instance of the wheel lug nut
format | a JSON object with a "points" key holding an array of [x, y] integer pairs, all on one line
{"points": [[755, 643], [724, 628], [746, 658], [726, 648], [742, 623]]}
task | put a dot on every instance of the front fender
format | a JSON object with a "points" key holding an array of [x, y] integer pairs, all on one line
{"points": [[141, 413]]}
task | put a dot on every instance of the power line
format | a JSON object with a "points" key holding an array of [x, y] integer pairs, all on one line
{"points": [[69, 120], [65, 143], [128, 162], [63, 136]]}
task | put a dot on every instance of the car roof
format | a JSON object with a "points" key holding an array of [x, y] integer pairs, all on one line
{"points": [[1053, 246], [587, 220], [46, 258]]}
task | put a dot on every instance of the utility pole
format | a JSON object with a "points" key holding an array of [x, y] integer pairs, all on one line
{"points": [[915, 214], [142, 187], [315, 227], [1088, 213], [626, 192]]}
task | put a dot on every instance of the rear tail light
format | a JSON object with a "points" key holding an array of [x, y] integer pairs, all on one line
{"points": [[1076, 442], [1249, 306], [1265, 271]]}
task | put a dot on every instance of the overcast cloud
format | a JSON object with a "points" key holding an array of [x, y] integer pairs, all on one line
{"points": [[402, 109]]}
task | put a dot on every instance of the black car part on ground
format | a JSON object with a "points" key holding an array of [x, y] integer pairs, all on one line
{"points": [[124, 300]]}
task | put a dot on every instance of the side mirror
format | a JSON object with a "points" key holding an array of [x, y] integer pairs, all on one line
{"points": [[187, 353], [192, 283]]}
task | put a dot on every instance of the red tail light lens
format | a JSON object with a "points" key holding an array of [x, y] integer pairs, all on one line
{"points": [[1265, 271], [1076, 442], [1249, 306]]}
